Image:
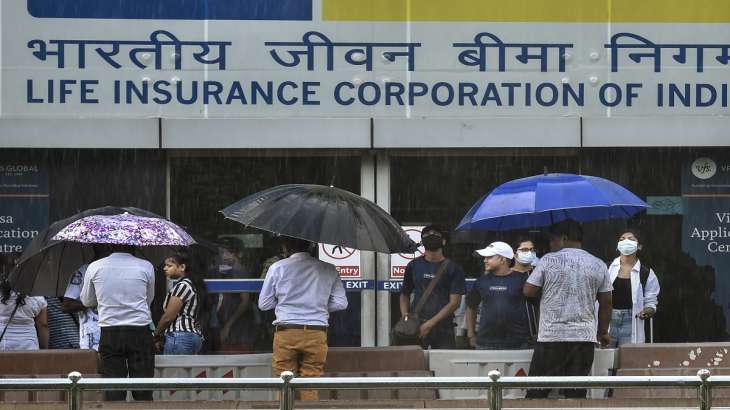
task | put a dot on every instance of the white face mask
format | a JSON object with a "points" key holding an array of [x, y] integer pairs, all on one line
{"points": [[627, 247], [525, 258]]}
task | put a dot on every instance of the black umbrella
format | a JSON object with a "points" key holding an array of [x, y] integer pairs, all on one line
{"points": [[46, 266], [322, 214]]}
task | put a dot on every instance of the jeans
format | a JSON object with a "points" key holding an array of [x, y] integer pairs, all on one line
{"points": [[620, 329], [182, 343]]}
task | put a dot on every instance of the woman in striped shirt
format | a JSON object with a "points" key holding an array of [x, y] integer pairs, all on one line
{"points": [[180, 323]]}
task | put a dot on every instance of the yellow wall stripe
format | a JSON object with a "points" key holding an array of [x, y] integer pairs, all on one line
{"points": [[567, 11]]}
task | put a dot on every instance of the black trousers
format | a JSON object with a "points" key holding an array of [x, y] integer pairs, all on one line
{"points": [[127, 351], [561, 359]]}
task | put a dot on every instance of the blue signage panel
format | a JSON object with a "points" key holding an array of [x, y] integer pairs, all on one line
{"points": [[254, 285], [174, 9]]}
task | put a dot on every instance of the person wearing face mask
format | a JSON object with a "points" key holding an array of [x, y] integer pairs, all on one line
{"points": [[635, 292], [437, 313], [503, 323], [525, 256], [525, 261]]}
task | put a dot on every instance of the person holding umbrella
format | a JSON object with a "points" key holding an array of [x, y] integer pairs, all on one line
{"points": [[303, 291], [122, 286], [570, 280], [437, 330]]}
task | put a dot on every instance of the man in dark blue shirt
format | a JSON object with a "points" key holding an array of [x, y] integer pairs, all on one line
{"points": [[503, 324], [437, 329]]}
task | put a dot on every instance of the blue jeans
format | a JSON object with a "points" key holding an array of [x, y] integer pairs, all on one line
{"points": [[620, 327], [182, 343]]}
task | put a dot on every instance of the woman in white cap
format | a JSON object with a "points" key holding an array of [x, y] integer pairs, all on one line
{"points": [[635, 292], [503, 323]]}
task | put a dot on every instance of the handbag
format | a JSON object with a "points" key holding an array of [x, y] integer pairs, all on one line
{"points": [[407, 331]]}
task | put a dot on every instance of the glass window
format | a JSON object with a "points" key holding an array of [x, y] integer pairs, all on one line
{"points": [[201, 185]]}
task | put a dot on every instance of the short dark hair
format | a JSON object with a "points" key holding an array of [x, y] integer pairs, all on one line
{"points": [[633, 231], [440, 229], [569, 228], [521, 239], [295, 244]]}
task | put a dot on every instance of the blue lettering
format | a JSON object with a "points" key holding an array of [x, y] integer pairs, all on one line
{"points": [[449, 94], [712, 97], [142, 94], [606, 97], [193, 93], [675, 92], [236, 93], [511, 92], [416, 89], [309, 92], [394, 90], [468, 90], [266, 95], [212, 89], [164, 96], [280, 93], [540, 97], [578, 97], [362, 97], [631, 93], [338, 93], [86, 90], [29, 94], [491, 94]]}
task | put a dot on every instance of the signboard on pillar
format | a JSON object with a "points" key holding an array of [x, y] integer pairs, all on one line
{"points": [[398, 261], [706, 221], [346, 260], [23, 203]]}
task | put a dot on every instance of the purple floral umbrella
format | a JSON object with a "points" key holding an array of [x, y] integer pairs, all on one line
{"points": [[125, 229]]}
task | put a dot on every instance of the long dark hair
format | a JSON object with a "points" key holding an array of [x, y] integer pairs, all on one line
{"points": [[194, 271], [5, 292]]}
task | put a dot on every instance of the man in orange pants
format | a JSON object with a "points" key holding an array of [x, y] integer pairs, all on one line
{"points": [[302, 290]]}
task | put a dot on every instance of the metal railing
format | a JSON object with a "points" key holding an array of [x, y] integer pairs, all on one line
{"points": [[287, 385]]}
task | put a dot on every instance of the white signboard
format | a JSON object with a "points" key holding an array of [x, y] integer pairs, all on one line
{"points": [[363, 59], [346, 260], [398, 261]]}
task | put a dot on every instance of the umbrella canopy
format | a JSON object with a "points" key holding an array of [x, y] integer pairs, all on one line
{"points": [[46, 265], [543, 200], [322, 214], [125, 229]]}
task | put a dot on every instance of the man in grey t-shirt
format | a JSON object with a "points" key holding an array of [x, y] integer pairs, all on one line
{"points": [[571, 280]]}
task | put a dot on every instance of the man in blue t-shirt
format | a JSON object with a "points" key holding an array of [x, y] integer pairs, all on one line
{"points": [[503, 324], [437, 314]]}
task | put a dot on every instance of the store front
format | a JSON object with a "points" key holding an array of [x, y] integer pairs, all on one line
{"points": [[419, 108]]}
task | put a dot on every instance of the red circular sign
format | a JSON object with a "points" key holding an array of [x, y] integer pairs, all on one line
{"points": [[419, 251], [337, 251]]}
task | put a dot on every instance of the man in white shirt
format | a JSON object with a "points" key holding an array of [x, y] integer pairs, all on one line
{"points": [[122, 287], [302, 290]]}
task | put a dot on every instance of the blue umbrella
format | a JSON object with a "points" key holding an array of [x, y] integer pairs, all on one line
{"points": [[542, 200]]}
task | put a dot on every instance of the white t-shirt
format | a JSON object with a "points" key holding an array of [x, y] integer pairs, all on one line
{"points": [[21, 333], [89, 331], [570, 280]]}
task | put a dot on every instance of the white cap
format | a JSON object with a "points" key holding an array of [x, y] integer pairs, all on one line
{"points": [[497, 248]]}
